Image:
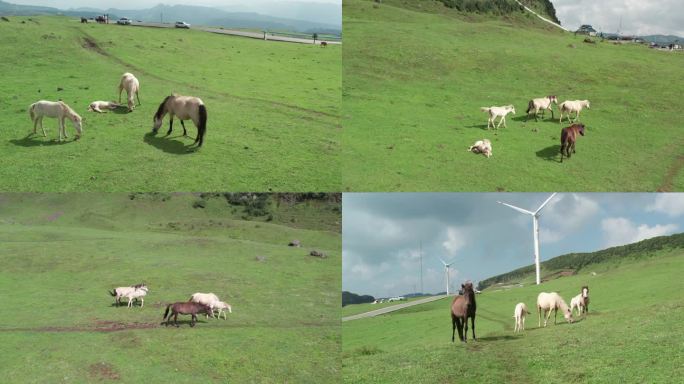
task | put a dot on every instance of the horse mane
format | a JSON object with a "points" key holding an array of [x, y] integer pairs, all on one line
{"points": [[160, 110]]}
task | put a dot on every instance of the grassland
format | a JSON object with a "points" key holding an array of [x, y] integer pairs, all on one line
{"points": [[631, 334], [61, 253], [415, 75], [273, 110]]}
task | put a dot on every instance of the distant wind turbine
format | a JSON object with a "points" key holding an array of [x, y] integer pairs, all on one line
{"points": [[446, 270], [535, 229]]}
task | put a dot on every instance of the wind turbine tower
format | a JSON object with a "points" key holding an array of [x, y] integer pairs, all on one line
{"points": [[535, 229], [446, 271]]}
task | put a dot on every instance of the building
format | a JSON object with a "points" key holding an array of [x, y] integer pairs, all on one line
{"points": [[586, 29]]}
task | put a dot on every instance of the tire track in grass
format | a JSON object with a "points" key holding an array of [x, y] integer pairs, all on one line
{"points": [[672, 172], [90, 43]]}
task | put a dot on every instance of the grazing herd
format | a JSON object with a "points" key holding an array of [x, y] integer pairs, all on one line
{"points": [[543, 104], [182, 107], [463, 307], [199, 302]]}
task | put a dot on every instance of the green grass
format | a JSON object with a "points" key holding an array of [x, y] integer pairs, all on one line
{"points": [[631, 334], [61, 253], [416, 74], [273, 110]]}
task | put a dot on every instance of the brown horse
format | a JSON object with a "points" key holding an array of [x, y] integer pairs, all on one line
{"points": [[462, 308], [186, 308], [568, 138], [585, 297]]}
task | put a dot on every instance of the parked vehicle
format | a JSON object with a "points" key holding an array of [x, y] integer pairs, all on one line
{"points": [[124, 21], [182, 24]]}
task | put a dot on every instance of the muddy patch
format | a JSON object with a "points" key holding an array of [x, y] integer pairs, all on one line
{"points": [[99, 326], [103, 371], [91, 44]]}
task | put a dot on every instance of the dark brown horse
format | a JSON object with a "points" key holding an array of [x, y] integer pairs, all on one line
{"points": [[462, 308], [186, 308], [568, 138]]}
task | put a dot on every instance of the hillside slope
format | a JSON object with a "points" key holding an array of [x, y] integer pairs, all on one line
{"points": [[415, 80], [63, 252], [273, 110]]}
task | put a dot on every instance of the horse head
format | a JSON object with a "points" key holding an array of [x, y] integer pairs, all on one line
{"points": [[568, 315], [585, 291], [581, 129], [553, 99]]}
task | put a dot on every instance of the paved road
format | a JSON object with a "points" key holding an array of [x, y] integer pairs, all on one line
{"points": [[393, 308], [234, 32]]}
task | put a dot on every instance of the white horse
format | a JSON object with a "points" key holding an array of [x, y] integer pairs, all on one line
{"points": [[495, 112], [542, 104], [98, 106], [57, 109], [137, 293], [120, 292], [222, 306], [483, 146], [185, 108], [519, 315], [552, 301], [132, 86], [209, 299], [577, 302], [569, 106]]}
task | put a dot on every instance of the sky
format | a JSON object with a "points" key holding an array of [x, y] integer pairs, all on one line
{"points": [[142, 4], [382, 233], [639, 17]]}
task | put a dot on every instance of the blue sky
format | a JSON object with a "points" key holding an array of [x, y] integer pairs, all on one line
{"points": [[382, 232]]}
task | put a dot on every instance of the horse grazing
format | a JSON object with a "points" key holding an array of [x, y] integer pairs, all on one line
{"points": [[132, 86], [324, 44], [98, 106], [552, 301], [222, 306], [572, 106], [185, 108], [495, 112], [462, 308], [543, 103], [84, 20], [120, 292], [568, 139], [519, 314], [137, 293], [57, 109], [185, 308], [483, 146]]}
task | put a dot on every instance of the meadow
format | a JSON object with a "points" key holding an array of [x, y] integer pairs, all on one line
{"points": [[415, 75], [630, 335], [273, 110], [61, 253]]}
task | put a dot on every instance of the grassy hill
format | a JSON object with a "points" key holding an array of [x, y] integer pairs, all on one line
{"points": [[578, 262], [630, 335], [416, 74], [61, 253], [273, 110]]}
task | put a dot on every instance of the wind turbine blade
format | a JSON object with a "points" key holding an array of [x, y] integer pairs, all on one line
{"points": [[445, 264], [544, 203], [517, 209]]}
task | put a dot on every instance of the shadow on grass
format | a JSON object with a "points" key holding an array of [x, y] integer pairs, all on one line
{"points": [[550, 153], [122, 110], [32, 140], [482, 127], [497, 338], [168, 144], [183, 322], [524, 119]]}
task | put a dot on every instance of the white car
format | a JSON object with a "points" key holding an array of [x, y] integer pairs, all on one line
{"points": [[182, 24], [124, 21]]}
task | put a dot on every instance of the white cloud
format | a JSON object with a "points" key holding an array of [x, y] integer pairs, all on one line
{"points": [[455, 240], [620, 231], [565, 214], [671, 204]]}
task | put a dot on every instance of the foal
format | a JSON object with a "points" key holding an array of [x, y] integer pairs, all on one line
{"points": [[543, 103], [57, 109], [462, 308], [495, 112], [568, 138]]}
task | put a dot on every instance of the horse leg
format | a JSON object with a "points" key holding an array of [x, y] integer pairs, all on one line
{"points": [[142, 302], [170, 125], [193, 320], [459, 326], [453, 327], [538, 307], [465, 329], [472, 322], [175, 319], [137, 96], [185, 133]]}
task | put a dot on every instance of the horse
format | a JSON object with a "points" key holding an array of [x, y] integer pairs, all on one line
{"points": [[483, 146], [97, 106], [57, 109], [568, 139], [324, 44], [209, 299], [185, 108], [185, 308], [572, 106], [120, 292], [585, 296], [552, 301], [222, 306], [495, 112], [132, 86], [543, 103], [138, 292], [84, 20], [462, 308], [581, 301], [519, 315]]}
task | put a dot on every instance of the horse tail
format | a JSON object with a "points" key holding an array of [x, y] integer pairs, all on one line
{"points": [[112, 292], [167, 311], [202, 127]]}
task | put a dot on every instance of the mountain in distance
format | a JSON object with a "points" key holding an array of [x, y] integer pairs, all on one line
{"points": [[664, 39], [325, 13]]}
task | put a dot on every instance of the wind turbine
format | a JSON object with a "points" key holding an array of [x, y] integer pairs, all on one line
{"points": [[446, 270], [535, 229]]}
